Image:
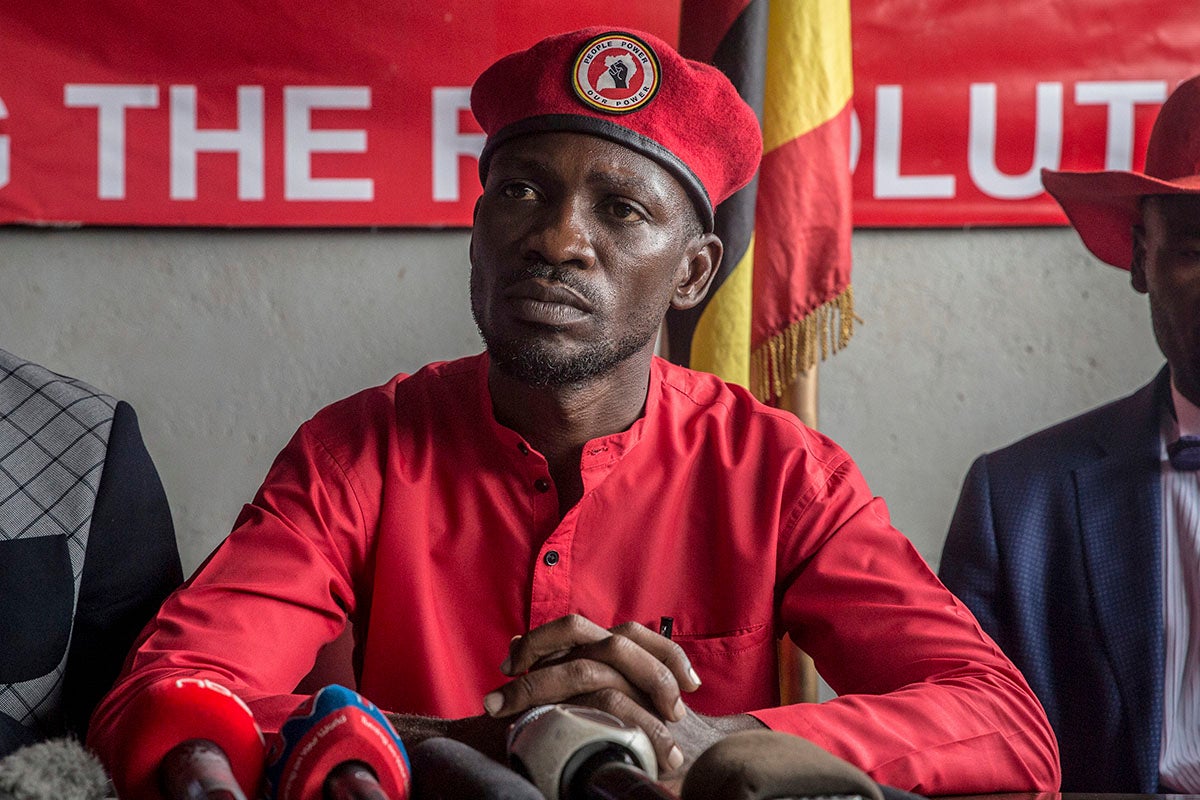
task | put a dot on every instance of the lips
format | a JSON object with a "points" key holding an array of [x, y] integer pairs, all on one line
{"points": [[541, 303]]}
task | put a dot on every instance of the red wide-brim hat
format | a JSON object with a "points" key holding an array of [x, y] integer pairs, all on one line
{"points": [[1105, 206]]}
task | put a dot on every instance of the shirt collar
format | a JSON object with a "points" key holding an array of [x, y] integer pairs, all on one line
{"points": [[598, 452], [605, 450], [1187, 414]]}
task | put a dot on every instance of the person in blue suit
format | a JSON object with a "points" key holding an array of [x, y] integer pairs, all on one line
{"points": [[1078, 548]]}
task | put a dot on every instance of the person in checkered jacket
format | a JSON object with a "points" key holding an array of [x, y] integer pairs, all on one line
{"points": [[87, 548]]}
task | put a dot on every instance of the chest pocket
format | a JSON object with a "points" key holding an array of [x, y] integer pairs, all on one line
{"points": [[37, 595], [738, 670]]}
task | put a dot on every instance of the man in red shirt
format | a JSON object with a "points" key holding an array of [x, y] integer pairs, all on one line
{"points": [[506, 530]]}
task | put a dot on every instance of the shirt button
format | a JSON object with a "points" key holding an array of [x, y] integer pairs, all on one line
{"points": [[551, 558], [542, 485], [524, 448]]}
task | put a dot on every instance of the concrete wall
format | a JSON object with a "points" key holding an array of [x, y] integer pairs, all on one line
{"points": [[224, 341]]}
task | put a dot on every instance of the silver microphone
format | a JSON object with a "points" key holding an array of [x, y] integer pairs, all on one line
{"points": [[574, 752]]}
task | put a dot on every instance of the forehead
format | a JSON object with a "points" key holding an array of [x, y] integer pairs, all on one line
{"points": [[1172, 214], [581, 156]]}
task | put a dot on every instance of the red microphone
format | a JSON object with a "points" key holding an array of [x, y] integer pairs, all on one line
{"points": [[175, 725]]}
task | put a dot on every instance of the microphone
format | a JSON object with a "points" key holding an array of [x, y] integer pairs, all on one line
{"points": [[763, 764], [447, 769], [56, 769], [579, 753], [337, 745], [188, 735]]}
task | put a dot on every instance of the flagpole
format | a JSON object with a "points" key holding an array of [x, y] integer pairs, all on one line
{"points": [[800, 397], [798, 674]]}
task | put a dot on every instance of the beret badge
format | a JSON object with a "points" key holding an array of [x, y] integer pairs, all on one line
{"points": [[616, 73]]}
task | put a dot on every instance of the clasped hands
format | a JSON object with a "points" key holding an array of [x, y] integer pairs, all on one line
{"points": [[628, 671]]}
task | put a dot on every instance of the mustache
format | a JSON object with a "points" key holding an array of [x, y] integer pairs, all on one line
{"points": [[548, 272]]}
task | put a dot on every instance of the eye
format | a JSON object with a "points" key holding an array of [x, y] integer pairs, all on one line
{"points": [[625, 212], [516, 190], [1186, 254]]}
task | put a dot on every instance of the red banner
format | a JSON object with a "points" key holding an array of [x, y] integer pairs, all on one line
{"points": [[959, 105], [131, 112], [222, 112]]}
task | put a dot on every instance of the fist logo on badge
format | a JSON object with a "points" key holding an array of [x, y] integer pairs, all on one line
{"points": [[616, 73]]}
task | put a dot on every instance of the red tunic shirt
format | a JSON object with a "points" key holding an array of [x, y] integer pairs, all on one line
{"points": [[410, 510]]}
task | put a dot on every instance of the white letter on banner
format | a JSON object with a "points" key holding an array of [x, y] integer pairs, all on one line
{"points": [[111, 102], [301, 141], [981, 146], [1120, 97], [246, 140], [448, 142], [855, 140], [5, 152], [889, 183]]}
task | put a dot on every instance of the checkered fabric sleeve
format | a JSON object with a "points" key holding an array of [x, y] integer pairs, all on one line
{"points": [[53, 441]]}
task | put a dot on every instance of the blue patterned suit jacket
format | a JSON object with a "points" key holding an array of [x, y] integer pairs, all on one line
{"points": [[1055, 546]]}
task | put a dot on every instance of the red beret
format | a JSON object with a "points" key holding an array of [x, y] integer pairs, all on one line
{"points": [[631, 88]]}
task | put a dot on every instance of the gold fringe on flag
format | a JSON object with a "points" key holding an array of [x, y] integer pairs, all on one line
{"points": [[776, 363]]}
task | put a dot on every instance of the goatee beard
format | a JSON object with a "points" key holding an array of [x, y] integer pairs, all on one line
{"points": [[533, 364], [533, 360]]}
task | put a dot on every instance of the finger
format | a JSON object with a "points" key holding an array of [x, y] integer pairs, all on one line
{"points": [[665, 650], [550, 640], [641, 668], [669, 755], [654, 664], [630, 667], [557, 683]]}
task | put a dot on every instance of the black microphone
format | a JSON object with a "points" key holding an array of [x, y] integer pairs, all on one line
{"points": [[447, 769], [337, 745], [56, 769], [765, 765], [579, 753]]}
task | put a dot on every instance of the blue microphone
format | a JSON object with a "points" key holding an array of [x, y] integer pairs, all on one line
{"points": [[335, 745]]}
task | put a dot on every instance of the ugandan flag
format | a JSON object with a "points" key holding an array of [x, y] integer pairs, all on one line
{"points": [[715, 335], [783, 293]]}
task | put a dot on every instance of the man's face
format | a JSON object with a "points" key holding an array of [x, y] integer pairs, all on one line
{"points": [[1166, 266], [578, 248]]}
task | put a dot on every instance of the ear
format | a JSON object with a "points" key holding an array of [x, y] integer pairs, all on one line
{"points": [[696, 273], [1137, 267], [474, 219]]}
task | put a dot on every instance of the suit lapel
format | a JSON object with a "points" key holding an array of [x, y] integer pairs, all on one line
{"points": [[1119, 505]]}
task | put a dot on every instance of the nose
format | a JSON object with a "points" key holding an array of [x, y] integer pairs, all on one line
{"points": [[561, 236]]}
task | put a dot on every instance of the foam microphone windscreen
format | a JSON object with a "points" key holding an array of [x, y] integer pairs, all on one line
{"points": [[172, 712], [333, 727], [763, 764], [446, 769], [57, 769]]}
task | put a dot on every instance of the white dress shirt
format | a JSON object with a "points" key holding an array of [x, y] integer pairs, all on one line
{"points": [[1179, 758]]}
